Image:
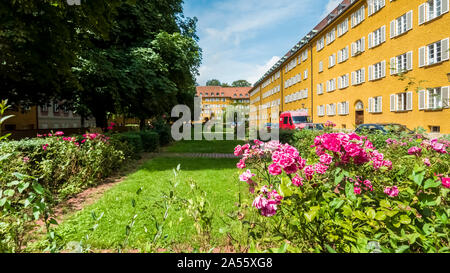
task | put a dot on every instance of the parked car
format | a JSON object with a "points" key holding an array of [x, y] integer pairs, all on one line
{"points": [[294, 120], [314, 126], [384, 128]]}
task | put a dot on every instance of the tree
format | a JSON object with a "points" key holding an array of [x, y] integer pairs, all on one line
{"points": [[39, 44], [224, 84], [146, 68], [241, 83], [213, 82]]}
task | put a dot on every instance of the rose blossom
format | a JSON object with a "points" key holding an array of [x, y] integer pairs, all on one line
{"points": [[446, 182], [275, 169], [392, 191], [415, 151], [326, 159], [426, 161], [297, 181]]}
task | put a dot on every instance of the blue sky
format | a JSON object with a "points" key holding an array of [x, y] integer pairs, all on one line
{"points": [[242, 39]]}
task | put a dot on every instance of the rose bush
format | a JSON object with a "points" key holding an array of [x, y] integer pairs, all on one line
{"points": [[342, 194]]}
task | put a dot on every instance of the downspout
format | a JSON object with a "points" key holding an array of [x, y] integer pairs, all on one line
{"points": [[312, 84]]}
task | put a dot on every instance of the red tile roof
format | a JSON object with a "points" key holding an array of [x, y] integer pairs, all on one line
{"points": [[228, 92]]}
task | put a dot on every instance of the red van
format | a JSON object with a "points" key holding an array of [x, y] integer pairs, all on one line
{"points": [[293, 120]]}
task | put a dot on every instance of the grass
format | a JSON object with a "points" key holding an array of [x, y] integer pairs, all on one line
{"points": [[218, 178], [204, 146]]}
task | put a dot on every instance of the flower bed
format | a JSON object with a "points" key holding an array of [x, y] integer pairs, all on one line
{"points": [[341, 194]]}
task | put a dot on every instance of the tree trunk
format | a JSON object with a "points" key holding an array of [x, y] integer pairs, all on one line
{"points": [[100, 120], [142, 124]]}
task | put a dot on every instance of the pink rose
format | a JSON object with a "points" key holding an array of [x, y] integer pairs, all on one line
{"points": [[297, 181], [446, 182], [392, 191], [326, 159], [275, 169]]}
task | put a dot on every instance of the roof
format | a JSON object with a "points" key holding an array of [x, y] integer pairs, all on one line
{"points": [[333, 15], [228, 92]]}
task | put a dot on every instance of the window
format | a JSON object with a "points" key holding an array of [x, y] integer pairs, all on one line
{"points": [[343, 81], [401, 102], [320, 89], [44, 108], [342, 28], [358, 47], [358, 76], [321, 66], [332, 60], [377, 37], [305, 74], [402, 24], [434, 98], [331, 36], [358, 16], [304, 55], [374, 6], [435, 129], [377, 71], [434, 53], [331, 109], [343, 108], [343, 54], [320, 44], [331, 85], [401, 63], [321, 110], [432, 9], [375, 105], [55, 107]]}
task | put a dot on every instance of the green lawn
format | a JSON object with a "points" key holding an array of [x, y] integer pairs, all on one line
{"points": [[217, 177], [204, 146]]}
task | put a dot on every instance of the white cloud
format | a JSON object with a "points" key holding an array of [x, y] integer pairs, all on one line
{"points": [[330, 6], [235, 35]]}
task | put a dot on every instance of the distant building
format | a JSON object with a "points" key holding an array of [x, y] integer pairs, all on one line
{"points": [[215, 99], [51, 116]]}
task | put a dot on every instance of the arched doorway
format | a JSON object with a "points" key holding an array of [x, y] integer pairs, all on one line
{"points": [[359, 113]]}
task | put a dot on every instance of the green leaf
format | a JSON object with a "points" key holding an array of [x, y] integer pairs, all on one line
{"points": [[431, 183], [402, 249], [3, 201], [349, 191], [23, 187], [4, 157], [9, 192], [284, 189], [338, 178], [360, 215], [404, 219], [380, 216], [312, 213], [38, 188], [418, 178], [371, 213], [330, 249]]}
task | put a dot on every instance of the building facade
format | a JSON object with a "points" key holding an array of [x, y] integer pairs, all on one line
{"points": [[216, 99], [368, 61], [51, 116]]}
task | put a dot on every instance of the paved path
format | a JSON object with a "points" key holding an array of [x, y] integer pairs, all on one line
{"points": [[195, 155]]}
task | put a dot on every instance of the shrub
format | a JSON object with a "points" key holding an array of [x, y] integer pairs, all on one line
{"points": [[63, 166], [133, 139], [347, 197], [164, 132], [150, 140], [286, 136]]}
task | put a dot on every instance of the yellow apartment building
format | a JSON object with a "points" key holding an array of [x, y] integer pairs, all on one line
{"points": [[355, 67], [216, 99]]}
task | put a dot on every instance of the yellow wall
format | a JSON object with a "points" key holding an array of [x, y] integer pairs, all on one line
{"points": [[22, 120], [435, 76]]}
